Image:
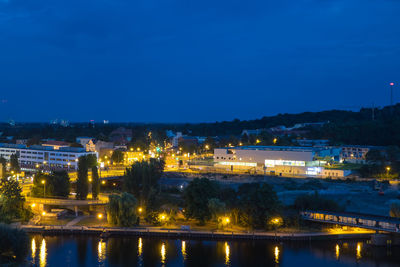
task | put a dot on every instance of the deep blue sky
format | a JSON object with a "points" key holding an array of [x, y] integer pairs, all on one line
{"points": [[192, 61]]}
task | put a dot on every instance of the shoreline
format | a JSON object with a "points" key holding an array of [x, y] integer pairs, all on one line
{"points": [[105, 232]]}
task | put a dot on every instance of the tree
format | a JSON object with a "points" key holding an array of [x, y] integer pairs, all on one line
{"points": [[12, 202], [3, 163], [14, 164], [121, 210], [196, 196], [257, 204], [95, 182], [56, 184], [216, 207], [142, 178], [117, 156], [82, 186]]}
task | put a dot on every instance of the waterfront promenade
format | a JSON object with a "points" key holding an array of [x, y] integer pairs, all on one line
{"points": [[105, 232]]}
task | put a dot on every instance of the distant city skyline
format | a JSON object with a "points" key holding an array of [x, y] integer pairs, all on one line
{"points": [[209, 61]]}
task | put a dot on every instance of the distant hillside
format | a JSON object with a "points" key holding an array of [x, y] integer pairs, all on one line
{"points": [[344, 127]]}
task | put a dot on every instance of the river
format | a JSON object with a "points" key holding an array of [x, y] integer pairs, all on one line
{"points": [[117, 251]]}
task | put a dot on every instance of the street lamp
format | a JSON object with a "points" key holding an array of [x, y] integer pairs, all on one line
{"points": [[387, 171], [44, 187]]}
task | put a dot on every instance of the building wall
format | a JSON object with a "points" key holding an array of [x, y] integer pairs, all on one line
{"points": [[31, 157]]}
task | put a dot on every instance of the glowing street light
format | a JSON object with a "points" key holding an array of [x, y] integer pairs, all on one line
{"points": [[100, 216], [44, 187]]}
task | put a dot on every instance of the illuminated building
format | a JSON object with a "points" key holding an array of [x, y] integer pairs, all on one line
{"points": [[44, 156], [276, 160]]}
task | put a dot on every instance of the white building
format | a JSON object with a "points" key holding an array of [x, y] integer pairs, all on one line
{"points": [[35, 156], [280, 160]]}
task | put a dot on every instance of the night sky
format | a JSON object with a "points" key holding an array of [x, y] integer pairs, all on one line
{"points": [[194, 61]]}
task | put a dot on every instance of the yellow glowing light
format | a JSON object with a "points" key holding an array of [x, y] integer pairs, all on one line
{"points": [[90, 180], [103, 182], [101, 250], [257, 141], [184, 250], [163, 217], [275, 140], [163, 253], [33, 205], [337, 251], [140, 209], [388, 168], [227, 220], [43, 181], [100, 215], [43, 213], [276, 253], [33, 247], [227, 254], [358, 254], [43, 254], [140, 245], [37, 165]]}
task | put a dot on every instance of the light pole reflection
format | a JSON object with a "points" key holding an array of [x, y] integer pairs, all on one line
{"points": [[276, 253], [184, 250], [163, 254], [101, 249], [227, 254], [43, 254], [33, 247], [337, 251]]}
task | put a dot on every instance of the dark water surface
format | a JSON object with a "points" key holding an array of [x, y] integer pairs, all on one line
{"points": [[133, 251]]}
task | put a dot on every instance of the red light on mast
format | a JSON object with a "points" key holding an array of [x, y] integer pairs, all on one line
{"points": [[391, 84]]}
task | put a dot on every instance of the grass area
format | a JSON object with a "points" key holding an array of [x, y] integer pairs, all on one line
{"points": [[55, 221], [93, 221]]}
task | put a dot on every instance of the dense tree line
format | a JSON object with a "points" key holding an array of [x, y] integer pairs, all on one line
{"points": [[252, 205], [56, 184]]}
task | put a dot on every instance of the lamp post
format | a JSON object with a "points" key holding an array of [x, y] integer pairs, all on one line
{"points": [[387, 171], [44, 187]]}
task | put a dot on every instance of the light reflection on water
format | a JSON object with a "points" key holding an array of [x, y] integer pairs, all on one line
{"points": [[43, 254], [227, 254], [276, 253], [163, 256], [50, 251]]}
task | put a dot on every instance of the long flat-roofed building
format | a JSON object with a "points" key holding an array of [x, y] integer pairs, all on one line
{"points": [[271, 159], [34, 156]]}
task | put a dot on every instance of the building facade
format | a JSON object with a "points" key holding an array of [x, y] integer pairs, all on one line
{"points": [[34, 157]]}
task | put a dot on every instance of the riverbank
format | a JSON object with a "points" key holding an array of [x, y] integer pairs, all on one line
{"points": [[105, 232]]}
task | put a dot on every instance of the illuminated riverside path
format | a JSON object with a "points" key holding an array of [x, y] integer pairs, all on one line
{"points": [[83, 250], [366, 221]]}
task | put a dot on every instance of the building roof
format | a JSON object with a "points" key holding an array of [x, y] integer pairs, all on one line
{"points": [[274, 148], [56, 143]]}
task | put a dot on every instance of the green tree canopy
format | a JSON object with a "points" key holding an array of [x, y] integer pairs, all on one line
{"points": [[12, 202], [117, 156], [142, 178], [95, 182], [257, 204], [121, 210], [14, 164], [82, 183], [56, 184], [197, 195]]}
